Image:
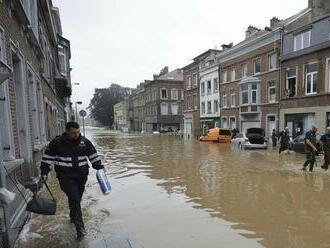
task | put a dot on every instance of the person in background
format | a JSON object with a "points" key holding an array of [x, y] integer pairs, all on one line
{"points": [[69, 153], [274, 138], [234, 133], [310, 149], [325, 139], [284, 140]]}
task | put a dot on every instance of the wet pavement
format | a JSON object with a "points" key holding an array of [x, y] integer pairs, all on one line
{"points": [[171, 192]]}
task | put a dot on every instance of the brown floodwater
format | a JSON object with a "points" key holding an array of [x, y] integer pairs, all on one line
{"points": [[171, 192]]}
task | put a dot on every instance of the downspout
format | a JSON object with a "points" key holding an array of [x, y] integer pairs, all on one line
{"points": [[280, 76]]}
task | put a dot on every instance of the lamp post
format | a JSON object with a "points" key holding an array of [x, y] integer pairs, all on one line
{"points": [[76, 103]]}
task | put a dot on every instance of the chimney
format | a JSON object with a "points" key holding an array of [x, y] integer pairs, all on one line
{"points": [[227, 46], [250, 31], [155, 76], [163, 71], [274, 21]]}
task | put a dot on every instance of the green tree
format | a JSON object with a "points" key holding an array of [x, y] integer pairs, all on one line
{"points": [[101, 105]]}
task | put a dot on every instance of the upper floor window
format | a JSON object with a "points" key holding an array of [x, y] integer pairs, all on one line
{"points": [[209, 107], [244, 70], [215, 85], [244, 94], [188, 82], [195, 101], [216, 106], [163, 94], [224, 76], [272, 61], [203, 88], [233, 99], [164, 108], [311, 79], [291, 82], [189, 102], [174, 108], [254, 90], [209, 87], [194, 80], [256, 65], [175, 94], [271, 91], [62, 60], [232, 75], [302, 40], [224, 100], [203, 107], [2, 46]]}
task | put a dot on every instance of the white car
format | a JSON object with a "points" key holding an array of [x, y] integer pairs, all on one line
{"points": [[254, 138]]}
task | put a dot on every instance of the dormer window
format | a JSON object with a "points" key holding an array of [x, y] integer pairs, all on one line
{"points": [[302, 40]]}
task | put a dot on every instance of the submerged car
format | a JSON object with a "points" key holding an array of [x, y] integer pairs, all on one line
{"points": [[221, 135], [254, 138], [298, 143]]}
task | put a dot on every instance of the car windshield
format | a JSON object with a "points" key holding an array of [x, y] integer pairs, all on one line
{"points": [[255, 131]]}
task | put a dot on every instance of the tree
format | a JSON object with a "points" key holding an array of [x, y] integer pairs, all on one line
{"points": [[101, 105]]}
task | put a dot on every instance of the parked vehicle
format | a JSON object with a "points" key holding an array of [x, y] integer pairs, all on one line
{"points": [[298, 143], [254, 138], [221, 135]]}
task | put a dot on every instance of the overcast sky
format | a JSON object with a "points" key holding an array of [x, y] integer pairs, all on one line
{"points": [[127, 41]]}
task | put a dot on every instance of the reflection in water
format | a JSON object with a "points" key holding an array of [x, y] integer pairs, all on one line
{"points": [[264, 196]]}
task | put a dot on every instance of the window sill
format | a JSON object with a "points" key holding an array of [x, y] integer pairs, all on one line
{"points": [[13, 164]]}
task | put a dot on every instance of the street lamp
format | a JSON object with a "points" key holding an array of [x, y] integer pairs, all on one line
{"points": [[76, 103]]}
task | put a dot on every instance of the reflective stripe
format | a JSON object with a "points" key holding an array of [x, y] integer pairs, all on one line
{"points": [[81, 157], [83, 163], [63, 164], [48, 156], [50, 162], [95, 160], [65, 158], [92, 156]]}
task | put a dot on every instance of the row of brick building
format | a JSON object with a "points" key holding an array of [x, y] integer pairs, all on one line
{"points": [[35, 89], [276, 77]]}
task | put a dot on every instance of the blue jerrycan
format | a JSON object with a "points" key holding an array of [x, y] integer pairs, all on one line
{"points": [[103, 181]]}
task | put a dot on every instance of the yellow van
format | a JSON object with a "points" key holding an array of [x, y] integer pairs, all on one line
{"points": [[221, 135]]}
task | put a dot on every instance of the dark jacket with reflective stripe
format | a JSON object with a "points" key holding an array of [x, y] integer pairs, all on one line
{"points": [[70, 157]]}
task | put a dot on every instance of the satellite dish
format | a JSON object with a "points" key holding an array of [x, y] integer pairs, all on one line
{"points": [[82, 113]]}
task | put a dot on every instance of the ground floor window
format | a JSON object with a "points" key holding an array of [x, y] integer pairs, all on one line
{"points": [[299, 123], [224, 122]]}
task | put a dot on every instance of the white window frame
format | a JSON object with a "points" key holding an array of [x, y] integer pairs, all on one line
{"points": [[242, 68], [174, 94], [287, 79], [161, 95], [3, 53], [312, 75], [203, 107], [270, 56], [202, 88], [224, 101], [233, 74], [62, 54], [233, 103], [182, 94], [195, 101], [189, 82], [209, 90], [209, 103], [224, 119], [194, 80], [245, 91], [251, 95], [224, 76], [6, 132], [216, 106], [177, 108], [302, 40], [164, 104], [269, 88], [215, 85], [254, 66]]}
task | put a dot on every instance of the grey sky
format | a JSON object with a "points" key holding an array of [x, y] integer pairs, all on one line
{"points": [[127, 41]]}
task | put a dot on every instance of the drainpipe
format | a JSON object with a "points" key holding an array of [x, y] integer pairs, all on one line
{"points": [[280, 77]]}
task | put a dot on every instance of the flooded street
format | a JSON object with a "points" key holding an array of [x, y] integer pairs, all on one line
{"points": [[171, 192]]}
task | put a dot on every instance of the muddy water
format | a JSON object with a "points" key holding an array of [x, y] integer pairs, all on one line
{"points": [[170, 192]]}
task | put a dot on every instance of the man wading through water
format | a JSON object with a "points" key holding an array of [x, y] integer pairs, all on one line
{"points": [[310, 149], [325, 139], [69, 153]]}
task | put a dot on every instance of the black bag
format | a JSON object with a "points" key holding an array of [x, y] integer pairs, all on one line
{"points": [[41, 205]]}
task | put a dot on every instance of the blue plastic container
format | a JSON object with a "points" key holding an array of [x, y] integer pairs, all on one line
{"points": [[103, 182]]}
